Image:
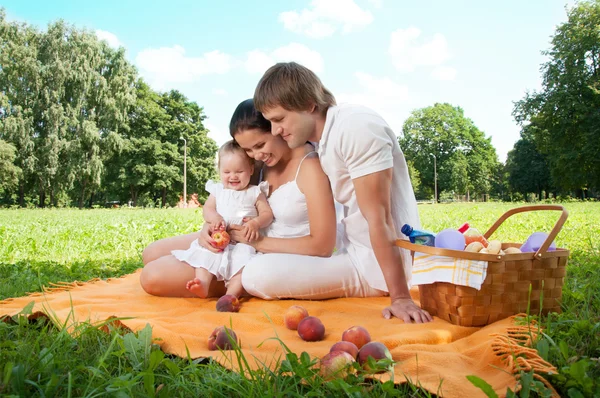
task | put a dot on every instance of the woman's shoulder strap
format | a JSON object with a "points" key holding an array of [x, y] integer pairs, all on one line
{"points": [[301, 161]]}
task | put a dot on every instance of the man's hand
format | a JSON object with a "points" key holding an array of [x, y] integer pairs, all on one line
{"points": [[407, 310]]}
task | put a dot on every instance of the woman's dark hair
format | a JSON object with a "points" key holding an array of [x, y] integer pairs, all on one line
{"points": [[246, 117]]}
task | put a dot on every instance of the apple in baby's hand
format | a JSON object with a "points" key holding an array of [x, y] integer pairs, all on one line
{"points": [[357, 335], [336, 364], [222, 338], [293, 316], [228, 303], [311, 329], [221, 239], [375, 350], [346, 346]]}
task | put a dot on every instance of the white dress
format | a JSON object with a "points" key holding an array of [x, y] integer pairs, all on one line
{"points": [[290, 212], [233, 206]]}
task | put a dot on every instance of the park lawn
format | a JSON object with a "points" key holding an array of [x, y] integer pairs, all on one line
{"points": [[38, 247]]}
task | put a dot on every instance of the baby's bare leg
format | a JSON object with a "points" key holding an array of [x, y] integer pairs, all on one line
{"points": [[234, 287], [200, 284]]}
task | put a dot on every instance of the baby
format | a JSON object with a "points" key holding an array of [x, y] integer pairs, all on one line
{"points": [[232, 201]]}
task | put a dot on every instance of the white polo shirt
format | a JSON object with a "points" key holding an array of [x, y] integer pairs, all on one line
{"points": [[356, 141]]}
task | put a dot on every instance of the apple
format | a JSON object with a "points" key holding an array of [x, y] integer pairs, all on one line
{"points": [[228, 303], [357, 335], [336, 364], [221, 239], [375, 350], [346, 346], [293, 316], [222, 338], [311, 329]]}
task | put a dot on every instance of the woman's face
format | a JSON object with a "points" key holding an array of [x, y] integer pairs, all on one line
{"points": [[262, 146]]}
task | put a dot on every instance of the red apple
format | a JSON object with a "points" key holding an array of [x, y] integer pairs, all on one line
{"points": [[336, 364], [293, 316], [346, 346], [357, 335], [375, 350], [222, 338], [228, 303], [221, 239], [311, 329]]}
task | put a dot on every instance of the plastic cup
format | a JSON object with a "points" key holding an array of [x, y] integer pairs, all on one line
{"points": [[450, 239], [535, 241]]}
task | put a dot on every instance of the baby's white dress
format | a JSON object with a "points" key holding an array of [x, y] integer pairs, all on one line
{"points": [[233, 206]]}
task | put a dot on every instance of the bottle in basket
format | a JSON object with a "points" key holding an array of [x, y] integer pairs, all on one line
{"points": [[419, 237], [472, 235]]}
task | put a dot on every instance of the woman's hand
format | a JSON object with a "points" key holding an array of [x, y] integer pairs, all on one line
{"points": [[205, 239]]}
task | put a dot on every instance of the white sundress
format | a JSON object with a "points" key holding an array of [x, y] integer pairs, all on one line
{"points": [[233, 206]]}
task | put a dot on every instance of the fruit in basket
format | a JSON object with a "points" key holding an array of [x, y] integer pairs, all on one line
{"points": [[311, 329], [357, 335], [494, 246], [293, 316], [450, 239], [474, 247], [512, 250]]}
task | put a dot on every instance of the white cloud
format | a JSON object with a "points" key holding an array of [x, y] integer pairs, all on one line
{"points": [[258, 61], [444, 73], [376, 3], [220, 136], [383, 95], [408, 52], [325, 17], [161, 66], [220, 92], [110, 38]]}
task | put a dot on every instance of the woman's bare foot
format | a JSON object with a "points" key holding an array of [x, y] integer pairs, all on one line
{"points": [[195, 286]]}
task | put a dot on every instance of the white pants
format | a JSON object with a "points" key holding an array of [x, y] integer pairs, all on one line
{"points": [[276, 276]]}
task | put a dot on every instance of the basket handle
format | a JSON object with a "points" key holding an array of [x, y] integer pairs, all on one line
{"points": [[557, 227]]}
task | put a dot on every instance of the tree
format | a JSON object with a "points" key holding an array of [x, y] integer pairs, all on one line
{"points": [[528, 168], [466, 159], [564, 116], [9, 173]]}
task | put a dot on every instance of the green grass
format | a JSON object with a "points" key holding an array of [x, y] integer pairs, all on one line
{"points": [[42, 246]]}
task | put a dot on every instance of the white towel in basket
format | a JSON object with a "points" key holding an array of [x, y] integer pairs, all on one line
{"points": [[429, 268]]}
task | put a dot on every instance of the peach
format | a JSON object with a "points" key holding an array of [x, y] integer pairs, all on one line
{"points": [[228, 303], [375, 350], [346, 346], [336, 364], [221, 239], [222, 338], [293, 316], [357, 335], [311, 329]]}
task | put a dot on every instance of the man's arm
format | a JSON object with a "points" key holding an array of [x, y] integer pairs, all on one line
{"points": [[374, 200]]}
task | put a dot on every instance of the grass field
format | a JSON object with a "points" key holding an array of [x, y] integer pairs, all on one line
{"points": [[42, 246]]}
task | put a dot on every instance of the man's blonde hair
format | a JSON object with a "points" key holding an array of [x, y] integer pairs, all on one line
{"points": [[293, 87]]}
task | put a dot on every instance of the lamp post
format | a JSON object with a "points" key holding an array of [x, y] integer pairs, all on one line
{"points": [[184, 171], [434, 177]]}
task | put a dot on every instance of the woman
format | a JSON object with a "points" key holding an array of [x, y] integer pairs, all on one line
{"points": [[298, 244]]}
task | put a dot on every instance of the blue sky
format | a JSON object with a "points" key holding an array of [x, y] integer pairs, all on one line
{"points": [[392, 55]]}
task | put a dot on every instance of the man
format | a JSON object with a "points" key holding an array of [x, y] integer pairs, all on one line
{"points": [[366, 168]]}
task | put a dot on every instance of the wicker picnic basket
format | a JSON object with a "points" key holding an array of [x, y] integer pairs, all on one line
{"points": [[506, 288]]}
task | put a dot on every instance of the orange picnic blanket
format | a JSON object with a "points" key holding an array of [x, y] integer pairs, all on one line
{"points": [[437, 356]]}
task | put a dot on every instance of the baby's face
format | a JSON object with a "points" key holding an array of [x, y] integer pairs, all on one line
{"points": [[235, 172]]}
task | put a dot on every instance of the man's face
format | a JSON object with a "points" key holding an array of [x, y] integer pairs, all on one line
{"points": [[295, 127]]}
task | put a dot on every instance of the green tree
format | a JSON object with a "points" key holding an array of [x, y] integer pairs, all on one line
{"points": [[9, 173], [466, 159], [565, 114], [528, 168]]}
